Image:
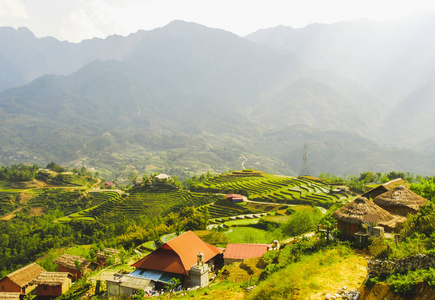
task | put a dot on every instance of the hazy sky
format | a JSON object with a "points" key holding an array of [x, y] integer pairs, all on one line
{"points": [[75, 20]]}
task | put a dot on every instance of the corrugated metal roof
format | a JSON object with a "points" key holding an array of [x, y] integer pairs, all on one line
{"points": [[178, 255], [134, 282], [154, 275], [243, 251]]}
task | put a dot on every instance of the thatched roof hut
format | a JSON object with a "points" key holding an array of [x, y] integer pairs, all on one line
{"points": [[382, 188], [107, 253], [51, 278], [20, 280], [350, 217], [53, 283], [76, 265], [73, 262], [400, 201]]}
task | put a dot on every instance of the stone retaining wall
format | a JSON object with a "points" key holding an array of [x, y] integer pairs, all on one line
{"points": [[377, 268]]}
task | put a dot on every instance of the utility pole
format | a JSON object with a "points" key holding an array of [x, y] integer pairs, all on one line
{"points": [[304, 164]]}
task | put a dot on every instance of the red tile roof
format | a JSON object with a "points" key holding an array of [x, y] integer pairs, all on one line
{"points": [[178, 255], [243, 251]]}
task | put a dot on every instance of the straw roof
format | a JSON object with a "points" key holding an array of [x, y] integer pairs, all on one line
{"points": [[382, 188], [68, 261], [9, 296], [23, 276], [400, 196], [107, 252], [355, 211], [51, 278]]}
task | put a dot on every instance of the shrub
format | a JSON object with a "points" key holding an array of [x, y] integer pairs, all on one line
{"points": [[402, 284]]}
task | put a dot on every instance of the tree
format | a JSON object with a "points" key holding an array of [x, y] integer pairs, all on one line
{"points": [[328, 222], [139, 295], [172, 285], [301, 221]]}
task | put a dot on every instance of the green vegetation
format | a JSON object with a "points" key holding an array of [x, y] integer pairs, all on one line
{"points": [[248, 234], [300, 274], [302, 221], [259, 186], [19, 172], [223, 209]]}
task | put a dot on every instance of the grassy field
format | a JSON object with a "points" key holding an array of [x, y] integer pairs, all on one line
{"points": [[314, 276], [247, 234]]}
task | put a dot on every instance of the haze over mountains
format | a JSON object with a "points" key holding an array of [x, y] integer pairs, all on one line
{"points": [[358, 94]]}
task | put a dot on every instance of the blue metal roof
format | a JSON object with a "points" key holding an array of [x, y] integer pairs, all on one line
{"points": [[155, 275]]}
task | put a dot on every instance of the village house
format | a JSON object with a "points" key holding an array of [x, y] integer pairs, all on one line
{"points": [[138, 181], [380, 189], [20, 281], [239, 252], [109, 185], [123, 286], [235, 198], [53, 284], [162, 177], [400, 201], [103, 256], [186, 258], [351, 216], [76, 265]]}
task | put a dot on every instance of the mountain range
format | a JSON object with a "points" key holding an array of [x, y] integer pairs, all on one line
{"points": [[358, 94]]}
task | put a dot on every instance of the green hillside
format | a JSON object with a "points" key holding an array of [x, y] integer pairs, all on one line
{"points": [[259, 186], [140, 202]]}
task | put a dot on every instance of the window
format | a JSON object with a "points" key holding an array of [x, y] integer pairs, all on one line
{"points": [[45, 287], [3, 288]]}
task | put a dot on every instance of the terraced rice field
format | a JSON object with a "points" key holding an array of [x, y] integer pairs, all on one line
{"points": [[258, 186], [217, 211], [141, 202]]}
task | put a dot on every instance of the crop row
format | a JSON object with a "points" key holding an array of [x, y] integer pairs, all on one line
{"points": [[141, 203], [216, 211]]}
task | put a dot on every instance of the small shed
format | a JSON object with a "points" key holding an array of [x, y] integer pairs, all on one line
{"points": [[138, 181], [383, 188], [400, 201], [108, 185], [20, 281], [122, 285], [76, 265], [350, 217], [107, 253], [235, 198], [239, 252], [162, 177], [53, 283]]}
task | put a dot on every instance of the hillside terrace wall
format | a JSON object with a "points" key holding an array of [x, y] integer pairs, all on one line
{"points": [[378, 268]]}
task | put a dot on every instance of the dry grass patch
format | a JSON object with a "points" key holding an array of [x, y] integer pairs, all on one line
{"points": [[242, 271], [37, 211], [314, 276]]}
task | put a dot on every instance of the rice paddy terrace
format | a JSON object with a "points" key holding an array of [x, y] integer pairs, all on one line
{"points": [[259, 186], [141, 202]]}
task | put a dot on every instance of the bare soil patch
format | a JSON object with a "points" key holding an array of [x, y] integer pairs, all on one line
{"points": [[37, 211]]}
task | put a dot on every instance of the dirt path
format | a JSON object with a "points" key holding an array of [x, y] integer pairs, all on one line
{"points": [[243, 163], [11, 214]]}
